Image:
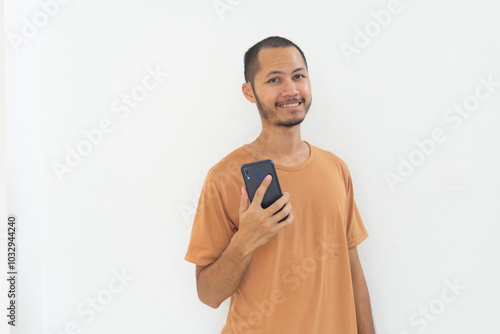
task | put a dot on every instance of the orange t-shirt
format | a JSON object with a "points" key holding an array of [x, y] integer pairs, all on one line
{"points": [[300, 281]]}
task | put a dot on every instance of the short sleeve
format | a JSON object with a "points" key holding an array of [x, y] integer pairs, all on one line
{"points": [[355, 229], [212, 230]]}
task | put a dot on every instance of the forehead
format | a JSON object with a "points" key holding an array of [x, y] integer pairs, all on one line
{"points": [[279, 59]]}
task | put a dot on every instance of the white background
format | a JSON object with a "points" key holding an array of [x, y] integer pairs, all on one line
{"points": [[129, 204]]}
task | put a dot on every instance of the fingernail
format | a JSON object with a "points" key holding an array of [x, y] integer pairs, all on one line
{"points": [[268, 178]]}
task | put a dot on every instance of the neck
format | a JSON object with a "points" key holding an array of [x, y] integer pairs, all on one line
{"points": [[281, 144]]}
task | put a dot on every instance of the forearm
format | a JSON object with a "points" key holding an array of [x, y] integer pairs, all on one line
{"points": [[364, 317], [219, 280]]}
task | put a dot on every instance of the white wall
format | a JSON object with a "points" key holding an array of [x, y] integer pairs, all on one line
{"points": [[126, 208]]}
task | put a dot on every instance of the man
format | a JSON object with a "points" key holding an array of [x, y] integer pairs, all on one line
{"points": [[301, 275]]}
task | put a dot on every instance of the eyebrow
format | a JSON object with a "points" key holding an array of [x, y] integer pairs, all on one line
{"points": [[279, 72]]}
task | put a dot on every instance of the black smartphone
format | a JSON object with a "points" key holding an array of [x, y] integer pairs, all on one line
{"points": [[254, 173]]}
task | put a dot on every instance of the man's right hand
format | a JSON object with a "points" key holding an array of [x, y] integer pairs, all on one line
{"points": [[219, 280], [258, 225]]}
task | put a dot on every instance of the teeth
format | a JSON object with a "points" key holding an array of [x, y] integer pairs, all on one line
{"points": [[290, 105]]}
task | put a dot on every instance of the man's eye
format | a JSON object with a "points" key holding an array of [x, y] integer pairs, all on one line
{"points": [[299, 76], [273, 80]]}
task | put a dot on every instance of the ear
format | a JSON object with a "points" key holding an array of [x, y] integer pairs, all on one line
{"points": [[248, 92]]}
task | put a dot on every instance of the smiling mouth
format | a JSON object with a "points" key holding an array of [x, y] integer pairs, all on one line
{"points": [[290, 105], [294, 104]]}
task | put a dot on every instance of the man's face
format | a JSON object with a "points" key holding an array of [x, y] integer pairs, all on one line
{"points": [[281, 87]]}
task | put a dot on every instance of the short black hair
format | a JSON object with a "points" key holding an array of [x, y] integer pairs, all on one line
{"points": [[252, 62]]}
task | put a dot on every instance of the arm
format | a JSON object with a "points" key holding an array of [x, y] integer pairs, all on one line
{"points": [[364, 317], [218, 281]]}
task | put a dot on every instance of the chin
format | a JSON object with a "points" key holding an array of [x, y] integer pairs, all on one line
{"points": [[291, 122]]}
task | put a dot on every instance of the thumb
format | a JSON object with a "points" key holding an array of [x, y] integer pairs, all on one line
{"points": [[244, 201]]}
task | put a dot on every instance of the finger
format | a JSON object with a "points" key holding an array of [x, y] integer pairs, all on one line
{"points": [[261, 191], [244, 201], [283, 213], [289, 219], [285, 223], [279, 203]]}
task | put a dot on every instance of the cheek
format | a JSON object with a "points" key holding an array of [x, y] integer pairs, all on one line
{"points": [[269, 96], [308, 87], [306, 92]]}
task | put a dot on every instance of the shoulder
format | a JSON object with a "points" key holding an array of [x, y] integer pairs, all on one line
{"points": [[328, 157], [229, 166]]}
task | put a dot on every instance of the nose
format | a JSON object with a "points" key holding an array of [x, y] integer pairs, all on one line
{"points": [[289, 88]]}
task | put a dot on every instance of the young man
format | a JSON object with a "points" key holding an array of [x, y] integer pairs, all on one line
{"points": [[301, 275]]}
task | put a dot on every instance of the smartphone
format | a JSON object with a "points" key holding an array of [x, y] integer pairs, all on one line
{"points": [[254, 173]]}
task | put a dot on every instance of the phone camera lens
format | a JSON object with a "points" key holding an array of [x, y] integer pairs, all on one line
{"points": [[247, 172]]}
